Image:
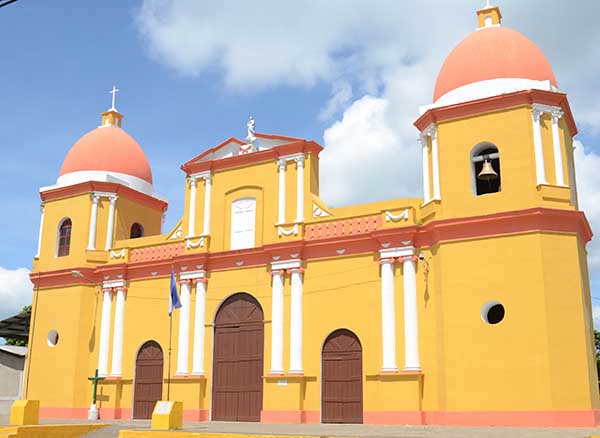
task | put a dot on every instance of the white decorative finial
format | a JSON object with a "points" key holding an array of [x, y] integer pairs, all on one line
{"points": [[114, 92], [487, 4]]}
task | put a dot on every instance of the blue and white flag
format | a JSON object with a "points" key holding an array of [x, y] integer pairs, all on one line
{"points": [[174, 302]]}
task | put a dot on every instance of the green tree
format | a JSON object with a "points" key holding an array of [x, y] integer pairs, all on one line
{"points": [[22, 343]]}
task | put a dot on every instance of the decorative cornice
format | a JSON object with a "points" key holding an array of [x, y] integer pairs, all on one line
{"points": [[489, 104], [96, 187], [391, 242]]}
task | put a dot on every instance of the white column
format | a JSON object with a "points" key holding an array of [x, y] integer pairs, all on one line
{"points": [[296, 322], [39, 247], [104, 333], [426, 188], [199, 321], [93, 218], [388, 316], [207, 191], [411, 330], [192, 211], [436, 164], [277, 323], [184, 329], [558, 159], [281, 164], [110, 229], [117, 350], [300, 189], [538, 147]]}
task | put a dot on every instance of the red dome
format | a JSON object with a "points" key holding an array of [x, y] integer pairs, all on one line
{"points": [[492, 53], [109, 149]]}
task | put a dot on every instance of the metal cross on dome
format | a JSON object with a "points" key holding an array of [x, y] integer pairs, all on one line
{"points": [[114, 92]]}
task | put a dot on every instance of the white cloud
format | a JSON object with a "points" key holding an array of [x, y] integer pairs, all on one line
{"points": [[341, 94], [388, 52], [587, 171], [15, 290]]}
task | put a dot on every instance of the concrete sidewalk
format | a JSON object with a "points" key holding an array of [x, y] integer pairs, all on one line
{"points": [[358, 430]]}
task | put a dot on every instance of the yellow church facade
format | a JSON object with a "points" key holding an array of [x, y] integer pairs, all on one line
{"points": [[469, 306]]}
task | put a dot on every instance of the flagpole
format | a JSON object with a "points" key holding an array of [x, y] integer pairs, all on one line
{"points": [[169, 370]]}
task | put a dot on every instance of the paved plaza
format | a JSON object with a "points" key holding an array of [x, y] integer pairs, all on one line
{"points": [[359, 430]]}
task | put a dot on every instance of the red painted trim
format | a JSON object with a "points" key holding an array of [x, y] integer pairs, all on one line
{"points": [[302, 146], [532, 220], [211, 150], [195, 415], [98, 186], [394, 417], [115, 413], [290, 416], [589, 418], [495, 103], [63, 412]]}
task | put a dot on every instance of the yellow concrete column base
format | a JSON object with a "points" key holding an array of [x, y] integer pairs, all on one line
{"points": [[167, 415], [25, 412]]}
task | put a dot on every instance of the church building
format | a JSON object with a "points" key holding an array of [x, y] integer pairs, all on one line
{"points": [[468, 306]]}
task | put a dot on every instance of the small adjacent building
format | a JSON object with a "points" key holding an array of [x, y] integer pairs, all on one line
{"points": [[12, 367]]}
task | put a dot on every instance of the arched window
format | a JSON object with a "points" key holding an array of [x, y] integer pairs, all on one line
{"points": [[243, 221], [485, 169], [64, 238], [136, 231]]}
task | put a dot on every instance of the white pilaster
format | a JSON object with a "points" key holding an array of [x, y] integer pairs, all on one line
{"points": [[184, 329], [436, 164], [281, 165], [538, 147], [277, 323], [192, 211], [39, 247], [411, 333], [207, 192], [117, 350], [296, 322], [93, 219], [388, 316], [110, 228], [104, 333], [426, 188], [558, 159], [300, 189], [199, 321]]}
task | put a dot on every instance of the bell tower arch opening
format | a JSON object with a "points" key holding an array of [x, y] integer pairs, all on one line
{"points": [[485, 169]]}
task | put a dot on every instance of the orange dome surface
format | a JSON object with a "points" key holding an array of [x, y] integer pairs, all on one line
{"points": [[492, 53], [108, 149]]}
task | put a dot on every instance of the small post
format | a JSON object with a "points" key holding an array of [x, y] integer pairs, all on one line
{"points": [[93, 411]]}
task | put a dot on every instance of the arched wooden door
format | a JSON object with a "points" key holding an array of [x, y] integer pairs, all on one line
{"points": [[342, 394], [148, 380], [237, 391]]}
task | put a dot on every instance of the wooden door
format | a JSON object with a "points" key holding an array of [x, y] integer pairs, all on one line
{"points": [[148, 380], [238, 360], [342, 395]]}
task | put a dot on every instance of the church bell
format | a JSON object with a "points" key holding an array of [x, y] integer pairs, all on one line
{"points": [[487, 172]]}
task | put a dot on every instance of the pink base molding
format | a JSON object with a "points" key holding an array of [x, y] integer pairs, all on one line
{"points": [[195, 415], [589, 418], [293, 417]]}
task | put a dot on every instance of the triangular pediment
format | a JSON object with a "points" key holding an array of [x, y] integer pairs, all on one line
{"points": [[233, 147]]}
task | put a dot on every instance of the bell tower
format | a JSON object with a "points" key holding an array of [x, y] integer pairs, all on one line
{"points": [[498, 135]]}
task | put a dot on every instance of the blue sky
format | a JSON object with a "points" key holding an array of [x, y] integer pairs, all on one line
{"points": [[191, 72]]}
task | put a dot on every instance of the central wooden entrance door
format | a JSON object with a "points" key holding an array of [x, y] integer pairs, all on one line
{"points": [[238, 360], [148, 380], [342, 395]]}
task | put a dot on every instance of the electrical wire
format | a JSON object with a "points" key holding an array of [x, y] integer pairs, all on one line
{"points": [[6, 3]]}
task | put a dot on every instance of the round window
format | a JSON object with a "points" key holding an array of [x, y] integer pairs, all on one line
{"points": [[492, 312], [52, 338]]}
